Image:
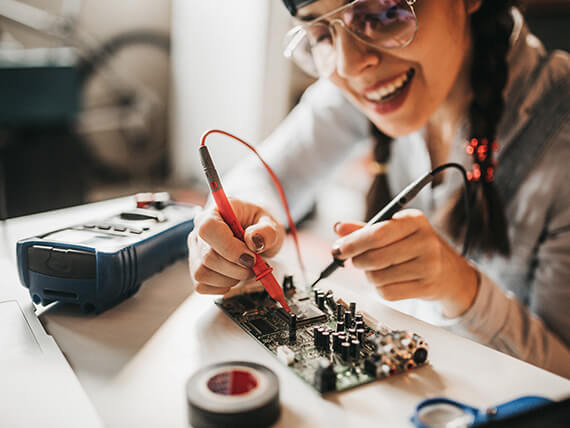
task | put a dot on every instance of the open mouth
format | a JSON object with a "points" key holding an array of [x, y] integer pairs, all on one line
{"points": [[392, 89]]}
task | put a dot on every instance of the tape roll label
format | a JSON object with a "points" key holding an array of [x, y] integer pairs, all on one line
{"points": [[232, 382]]}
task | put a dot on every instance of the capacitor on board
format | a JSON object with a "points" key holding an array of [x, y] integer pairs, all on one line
{"points": [[336, 341], [352, 309], [292, 327], [347, 319], [339, 312], [355, 349], [321, 300], [316, 336], [345, 352], [325, 341]]}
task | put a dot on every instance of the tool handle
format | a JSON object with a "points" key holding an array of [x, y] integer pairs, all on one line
{"points": [[401, 200], [226, 211], [261, 268]]}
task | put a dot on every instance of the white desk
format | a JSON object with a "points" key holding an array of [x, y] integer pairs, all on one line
{"points": [[134, 360]]}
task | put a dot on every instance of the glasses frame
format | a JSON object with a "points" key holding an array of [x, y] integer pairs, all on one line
{"points": [[296, 34]]}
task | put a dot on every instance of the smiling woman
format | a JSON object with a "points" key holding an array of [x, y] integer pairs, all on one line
{"points": [[427, 83]]}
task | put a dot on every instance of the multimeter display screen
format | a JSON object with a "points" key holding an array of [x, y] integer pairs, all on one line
{"points": [[86, 238]]}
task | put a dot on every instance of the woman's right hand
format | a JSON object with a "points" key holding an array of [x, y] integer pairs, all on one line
{"points": [[218, 260]]}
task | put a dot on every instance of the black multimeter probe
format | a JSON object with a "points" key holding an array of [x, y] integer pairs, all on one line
{"points": [[399, 202]]}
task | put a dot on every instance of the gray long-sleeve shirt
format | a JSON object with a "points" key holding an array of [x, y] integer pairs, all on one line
{"points": [[523, 303]]}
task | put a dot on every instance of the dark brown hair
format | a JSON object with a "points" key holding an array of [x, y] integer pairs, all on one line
{"points": [[491, 27]]}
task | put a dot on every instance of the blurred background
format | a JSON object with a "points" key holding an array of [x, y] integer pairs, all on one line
{"points": [[101, 98]]}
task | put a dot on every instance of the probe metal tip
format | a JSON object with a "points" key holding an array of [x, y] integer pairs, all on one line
{"points": [[336, 263], [315, 283]]}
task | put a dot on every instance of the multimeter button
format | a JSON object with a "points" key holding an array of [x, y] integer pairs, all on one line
{"points": [[89, 226], [135, 230], [145, 228], [143, 215], [104, 226], [135, 216], [119, 228]]}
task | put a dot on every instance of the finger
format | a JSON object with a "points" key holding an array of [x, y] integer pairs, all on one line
{"points": [[408, 271], [407, 249], [263, 236], [379, 235], [208, 289], [217, 234], [344, 228], [402, 290], [207, 276], [217, 263]]}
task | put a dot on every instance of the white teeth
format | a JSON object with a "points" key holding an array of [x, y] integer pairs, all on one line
{"points": [[388, 89]]}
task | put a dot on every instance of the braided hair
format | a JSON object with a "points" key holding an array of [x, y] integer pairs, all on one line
{"points": [[491, 27]]}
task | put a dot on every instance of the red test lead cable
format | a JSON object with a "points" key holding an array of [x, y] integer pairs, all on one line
{"points": [[261, 269]]}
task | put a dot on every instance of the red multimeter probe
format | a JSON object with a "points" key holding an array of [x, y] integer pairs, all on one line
{"points": [[261, 269]]}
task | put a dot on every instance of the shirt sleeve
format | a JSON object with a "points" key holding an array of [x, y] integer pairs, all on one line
{"points": [[304, 151], [499, 320]]}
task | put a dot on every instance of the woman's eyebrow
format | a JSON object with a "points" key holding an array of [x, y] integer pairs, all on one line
{"points": [[307, 18], [312, 16]]}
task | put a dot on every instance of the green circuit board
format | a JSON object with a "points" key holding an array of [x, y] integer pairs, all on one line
{"points": [[329, 344]]}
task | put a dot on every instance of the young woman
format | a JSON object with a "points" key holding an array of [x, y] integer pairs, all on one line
{"points": [[429, 82]]}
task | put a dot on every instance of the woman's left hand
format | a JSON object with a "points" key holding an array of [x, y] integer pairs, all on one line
{"points": [[405, 258]]}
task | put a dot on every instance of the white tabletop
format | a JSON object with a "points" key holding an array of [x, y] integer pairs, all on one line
{"points": [[135, 359]]}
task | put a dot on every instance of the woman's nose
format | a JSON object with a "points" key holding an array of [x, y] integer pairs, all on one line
{"points": [[353, 56]]}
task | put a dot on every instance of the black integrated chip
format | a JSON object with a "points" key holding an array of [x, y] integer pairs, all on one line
{"points": [[262, 326], [306, 312]]}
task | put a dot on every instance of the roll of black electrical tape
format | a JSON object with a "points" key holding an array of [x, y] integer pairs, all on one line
{"points": [[233, 393]]}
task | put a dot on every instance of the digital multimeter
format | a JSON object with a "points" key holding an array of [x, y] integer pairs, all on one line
{"points": [[100, 263]]}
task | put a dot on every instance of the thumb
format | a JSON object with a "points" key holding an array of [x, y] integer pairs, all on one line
{"points": [[265, 236], [344, 228]]}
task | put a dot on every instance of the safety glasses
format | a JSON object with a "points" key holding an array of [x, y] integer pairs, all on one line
{"points": [[386, 24]]}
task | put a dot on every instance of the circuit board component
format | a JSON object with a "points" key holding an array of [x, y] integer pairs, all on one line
{"points": [[324, 340]]}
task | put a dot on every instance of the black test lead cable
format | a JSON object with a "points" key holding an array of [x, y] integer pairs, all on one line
{"points": [[401, 200]]}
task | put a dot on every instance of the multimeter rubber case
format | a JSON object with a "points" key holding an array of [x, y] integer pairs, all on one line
{"points": [[100, 263]]}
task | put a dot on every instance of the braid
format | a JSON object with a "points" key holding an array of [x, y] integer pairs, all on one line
{"points": [[491, 27], [379, 193]]}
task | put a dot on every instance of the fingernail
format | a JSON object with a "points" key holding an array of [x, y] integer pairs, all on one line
{"points": [[258, 242], [336, 225], [247, 260], [335, 252]]}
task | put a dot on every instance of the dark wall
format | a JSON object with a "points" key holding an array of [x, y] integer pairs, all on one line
{"points": [[550, 21]]}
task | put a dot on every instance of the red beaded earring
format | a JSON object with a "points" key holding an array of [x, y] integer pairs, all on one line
{"points": [[483, 163]]}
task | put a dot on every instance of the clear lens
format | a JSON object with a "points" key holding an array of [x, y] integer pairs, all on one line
{"points": [[445, 415], [386, 24], [298, 48]]}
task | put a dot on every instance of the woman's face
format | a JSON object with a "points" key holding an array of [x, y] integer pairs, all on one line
{"points": [[369, 75]]}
